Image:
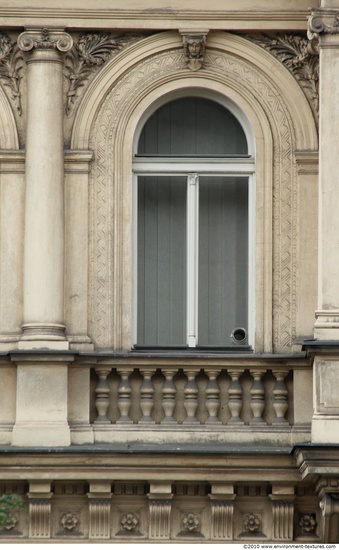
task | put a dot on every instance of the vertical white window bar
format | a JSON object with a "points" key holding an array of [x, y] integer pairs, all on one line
{"points": [[192, 259]]}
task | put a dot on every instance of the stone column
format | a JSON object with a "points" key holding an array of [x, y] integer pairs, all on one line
{"points": [[43, 317], [324, 30]]}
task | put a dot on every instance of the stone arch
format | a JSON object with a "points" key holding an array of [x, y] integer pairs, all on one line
{"points": [[106, 122]]}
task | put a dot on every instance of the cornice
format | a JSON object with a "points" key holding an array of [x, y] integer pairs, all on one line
{"points": [[89, 18]]}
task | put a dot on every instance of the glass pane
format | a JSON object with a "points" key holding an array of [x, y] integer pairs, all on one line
{"points": [[162, 261], [223, 258], [192, 126]]}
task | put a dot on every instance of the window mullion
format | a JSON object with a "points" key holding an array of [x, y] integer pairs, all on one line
{"points": [[192, 258]]}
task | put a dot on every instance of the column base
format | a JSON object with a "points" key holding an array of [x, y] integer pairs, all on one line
{"points": [[42, 400], [41, 434], [326, 326], [325, 429], [43, 336]]}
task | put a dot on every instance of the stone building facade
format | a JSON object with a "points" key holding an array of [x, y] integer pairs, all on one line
{"points": [[167, 375]]}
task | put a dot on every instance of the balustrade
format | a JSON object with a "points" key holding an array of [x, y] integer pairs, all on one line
{"points": [[215, 397]]}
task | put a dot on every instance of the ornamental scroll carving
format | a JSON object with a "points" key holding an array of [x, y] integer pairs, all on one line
{"points": [[87, 56], [45, 40], [296, 53], [11, 65], [106, 324], [323, 21]]}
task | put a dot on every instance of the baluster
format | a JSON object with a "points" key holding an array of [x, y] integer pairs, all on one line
{"points": [[147, 401], [168, 396], [124, 395], [258, 398], [191, 397], [235, 397], [212, 396], [280, 393], [102, 391]]}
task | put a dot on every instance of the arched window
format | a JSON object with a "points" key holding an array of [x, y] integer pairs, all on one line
{"points": [[193, 171]]}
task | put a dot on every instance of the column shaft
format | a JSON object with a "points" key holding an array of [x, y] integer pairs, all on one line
{"points": [[44, 200]]}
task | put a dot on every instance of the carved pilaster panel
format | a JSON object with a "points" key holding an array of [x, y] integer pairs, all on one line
{"points": [[159, 518], [282, 511], [39, 518], [99, 517], [221, 519]]}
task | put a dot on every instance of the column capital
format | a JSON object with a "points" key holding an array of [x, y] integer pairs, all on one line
{"points": [[45, 39], [324, 23]]}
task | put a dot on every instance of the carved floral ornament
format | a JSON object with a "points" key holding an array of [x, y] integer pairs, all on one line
{"points": [[88, 55], [11, 64], [300, 57], [129, 522], [307, 523], [69, 521], [252, 523], [191, 522]]}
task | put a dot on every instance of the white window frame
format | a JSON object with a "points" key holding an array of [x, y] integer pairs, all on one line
{"points": [[192, 169]]}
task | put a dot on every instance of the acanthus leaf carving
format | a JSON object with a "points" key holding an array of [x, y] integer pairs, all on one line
{"points": [[88, 55], [299, 56], [11, 63]]}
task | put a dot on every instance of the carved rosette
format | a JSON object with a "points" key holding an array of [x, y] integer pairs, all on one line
{"points": [[11, 522], [252, 523], [129, 522], [69, 521], [307, 524], [190, 522]]}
